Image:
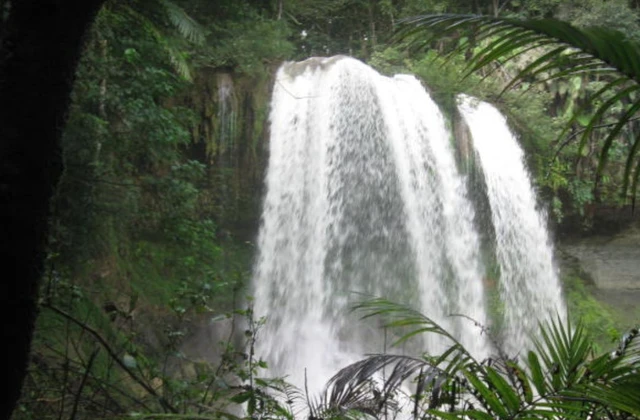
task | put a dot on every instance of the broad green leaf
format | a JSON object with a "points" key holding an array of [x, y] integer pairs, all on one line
{"points": [[583, 119], [486, 397], [508, 396], [242, 397]]}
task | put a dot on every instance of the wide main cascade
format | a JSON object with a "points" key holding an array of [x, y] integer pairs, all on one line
{"points": [[364, 197]]}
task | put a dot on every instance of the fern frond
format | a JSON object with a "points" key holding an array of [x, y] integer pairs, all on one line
{"points": [[185, 24]]}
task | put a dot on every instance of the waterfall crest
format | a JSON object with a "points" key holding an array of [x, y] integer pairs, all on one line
{"points": [[363, 196]]}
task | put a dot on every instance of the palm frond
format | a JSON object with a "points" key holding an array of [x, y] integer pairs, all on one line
{"points": [[571, 380], [564, 50], [615, 377], [606, 46], [396, 315], [379, 383], [289, 401], [560, 378], [176, 57], [179, 62], [185, 24]]}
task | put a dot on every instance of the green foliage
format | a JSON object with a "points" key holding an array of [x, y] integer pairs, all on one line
{"points": [[135, 253], [242, 45], [92, 362], [560, 378], [154, 25], [537, 8], [416, 7], [596, 317], [563, 50], [610, 14]]}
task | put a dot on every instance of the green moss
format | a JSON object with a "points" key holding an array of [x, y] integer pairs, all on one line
{"points": [[597, 317]]}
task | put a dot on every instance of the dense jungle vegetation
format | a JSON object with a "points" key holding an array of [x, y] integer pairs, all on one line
{"points": [[164, 153]]}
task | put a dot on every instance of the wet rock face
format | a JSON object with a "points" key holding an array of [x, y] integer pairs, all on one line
{"points": [[613, 262]]}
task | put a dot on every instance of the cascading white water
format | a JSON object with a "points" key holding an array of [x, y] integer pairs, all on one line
{"points": [[529, 285], [363, 195], [439, 216], [226, 115]]}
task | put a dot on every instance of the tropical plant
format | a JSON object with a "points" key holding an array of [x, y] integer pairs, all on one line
{"points": [[560, 378], [560, 50], [153, 17], [91, 363]]}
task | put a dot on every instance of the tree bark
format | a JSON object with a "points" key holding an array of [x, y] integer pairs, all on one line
{"points": [[40, 45]]}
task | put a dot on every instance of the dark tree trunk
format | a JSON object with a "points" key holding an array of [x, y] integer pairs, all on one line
{"points": [[40, 44]]}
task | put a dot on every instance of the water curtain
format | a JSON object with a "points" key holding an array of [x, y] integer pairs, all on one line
{"points": [[364, 198]]}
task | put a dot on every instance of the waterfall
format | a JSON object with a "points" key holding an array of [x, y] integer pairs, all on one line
{"points": [[363, 197], [226, 117], [529, 287]]}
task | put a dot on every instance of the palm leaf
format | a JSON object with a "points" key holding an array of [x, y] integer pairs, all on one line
{"points": [[559, 379], [185, 24], [572, 381], [396, 315], [373, 385], [616, 376], [293, 397], [609, 47], [364, 387], [565, 51]]}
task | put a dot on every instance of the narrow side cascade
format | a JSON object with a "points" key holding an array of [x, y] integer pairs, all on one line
{"points": [[529, 286], [226, 117], [363, 195]]}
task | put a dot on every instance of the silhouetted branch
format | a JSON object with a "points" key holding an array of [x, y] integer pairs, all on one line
{"points": [[163, 402], [92, 358]]}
